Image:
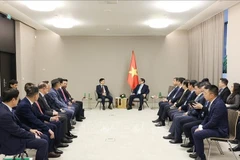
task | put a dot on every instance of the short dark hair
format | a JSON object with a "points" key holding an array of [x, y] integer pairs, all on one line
{"points": [[12, 82], [45, 82], [9, 94], [199, 84], [65, 80], [185, 83], [142, 79], [54, 82], [224, 81], [101, 79], [205, 80], [180, 79], [30, 89], [212, 89], [236, 88], [192, 83], [60, 80], [42, 85]]}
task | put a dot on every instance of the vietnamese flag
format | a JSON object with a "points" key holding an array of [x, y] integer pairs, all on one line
{"points": [[133, 74]]}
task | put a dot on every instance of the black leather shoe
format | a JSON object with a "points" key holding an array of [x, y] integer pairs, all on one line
{"points": [[140, 108], [65, 140], [234, 141], [58, 151], [188, 145], [66, 136], [190, 150], [62, 145], [175, 141], [71, 135], [193, 155], [129, 108], [72, 127], [234, 149], [168, 137], [156, 121], [159, 124], [83, 117], [53, 155], [103, 107], [79, 120], [109, 107]]}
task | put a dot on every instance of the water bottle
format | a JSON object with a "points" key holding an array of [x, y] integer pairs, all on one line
{"points": [[159, 95], [89, 96], [84, 95]]}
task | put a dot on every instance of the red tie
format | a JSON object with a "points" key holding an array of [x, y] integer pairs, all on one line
{"points": [[64, 95], [39, 107]]}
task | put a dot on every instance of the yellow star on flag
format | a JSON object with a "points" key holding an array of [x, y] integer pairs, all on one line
{"points": [[133, 72]]}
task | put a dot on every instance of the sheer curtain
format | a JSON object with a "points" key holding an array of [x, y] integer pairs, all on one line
{"points": [[206, 49]]}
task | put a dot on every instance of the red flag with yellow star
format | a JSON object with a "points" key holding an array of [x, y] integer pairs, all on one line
{"points": [[133, 74]]}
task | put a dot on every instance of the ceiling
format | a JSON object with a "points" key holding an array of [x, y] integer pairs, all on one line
{"points": [[101, 18]]}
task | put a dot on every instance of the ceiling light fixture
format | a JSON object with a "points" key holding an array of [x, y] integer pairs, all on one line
{"points": [[158, 23], [63, 22], [177, 6], [42, 6]]}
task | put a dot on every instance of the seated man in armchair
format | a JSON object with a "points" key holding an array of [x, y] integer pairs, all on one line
{"points": [[140, 91]]}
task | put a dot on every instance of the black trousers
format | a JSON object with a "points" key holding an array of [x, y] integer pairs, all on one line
{"points": [[79, 111], [51, 142], [103, 99], [66, 125], [41, 145], [132, 97], [164, 107], [187, 126]]}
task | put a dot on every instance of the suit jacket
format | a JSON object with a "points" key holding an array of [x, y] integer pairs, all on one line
{"points": [[198, 112], [44, 106], [38, 113], [55, 101], [177, 95], [183, 98], [67, 94], [26, 115], [190, 98], [233, 101], [144, 90], [217, 117], [61, 92], [12, 139], [172, 93], [224, 94], [100, 91]]}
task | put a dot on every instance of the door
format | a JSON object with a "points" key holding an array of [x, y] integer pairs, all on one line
{"points": [[7, 69]]}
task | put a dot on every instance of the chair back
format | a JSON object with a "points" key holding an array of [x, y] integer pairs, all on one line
{"points": [[96, 95], [232, 123], [147, 97]]}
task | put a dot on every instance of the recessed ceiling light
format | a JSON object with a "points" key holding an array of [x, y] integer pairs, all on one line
{"points": [[107, 10], [108, 29], [177, 6], [63, 22], [158, 23], [42, 6]]}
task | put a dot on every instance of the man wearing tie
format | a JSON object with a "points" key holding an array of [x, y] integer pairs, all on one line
{"points": [[140, 92], [103, 93]]}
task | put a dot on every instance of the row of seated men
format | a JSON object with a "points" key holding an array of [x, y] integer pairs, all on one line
{"points": [[198, 109], [43, 120], [140, 92]]}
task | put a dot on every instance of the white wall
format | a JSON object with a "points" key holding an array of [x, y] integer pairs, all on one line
{"points": [[25, 55], [233, 41], [83, 60]]}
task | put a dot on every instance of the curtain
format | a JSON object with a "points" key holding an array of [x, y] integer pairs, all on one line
{"points": [[206, 49]]}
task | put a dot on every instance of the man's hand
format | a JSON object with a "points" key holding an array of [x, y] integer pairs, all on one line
{"points": [[73, 101], [104, 94], [51, 134], [55, 118], [36, 136], [144, 95], [55, 113], [36, 132], [69, 103], [180, 108], [196, 130], [197, 106]]}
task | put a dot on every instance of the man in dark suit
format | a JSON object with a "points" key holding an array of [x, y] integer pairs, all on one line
{"points": [[103, 93], [26, 115], [140, 91], [46, 109], [224, 91], [215, 124], [14, 139], [164, 107], [64, 94]]}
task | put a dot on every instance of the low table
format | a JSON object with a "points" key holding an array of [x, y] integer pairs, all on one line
{"points": [[120, 102]]}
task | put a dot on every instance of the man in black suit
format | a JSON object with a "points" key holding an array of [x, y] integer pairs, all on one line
{"points": [[224, 91], [46, 109], [103, 93], [26, 115], [13, 84], [140, 91], [215, 124], [14, 139], [164, 107], [64, 94]]}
